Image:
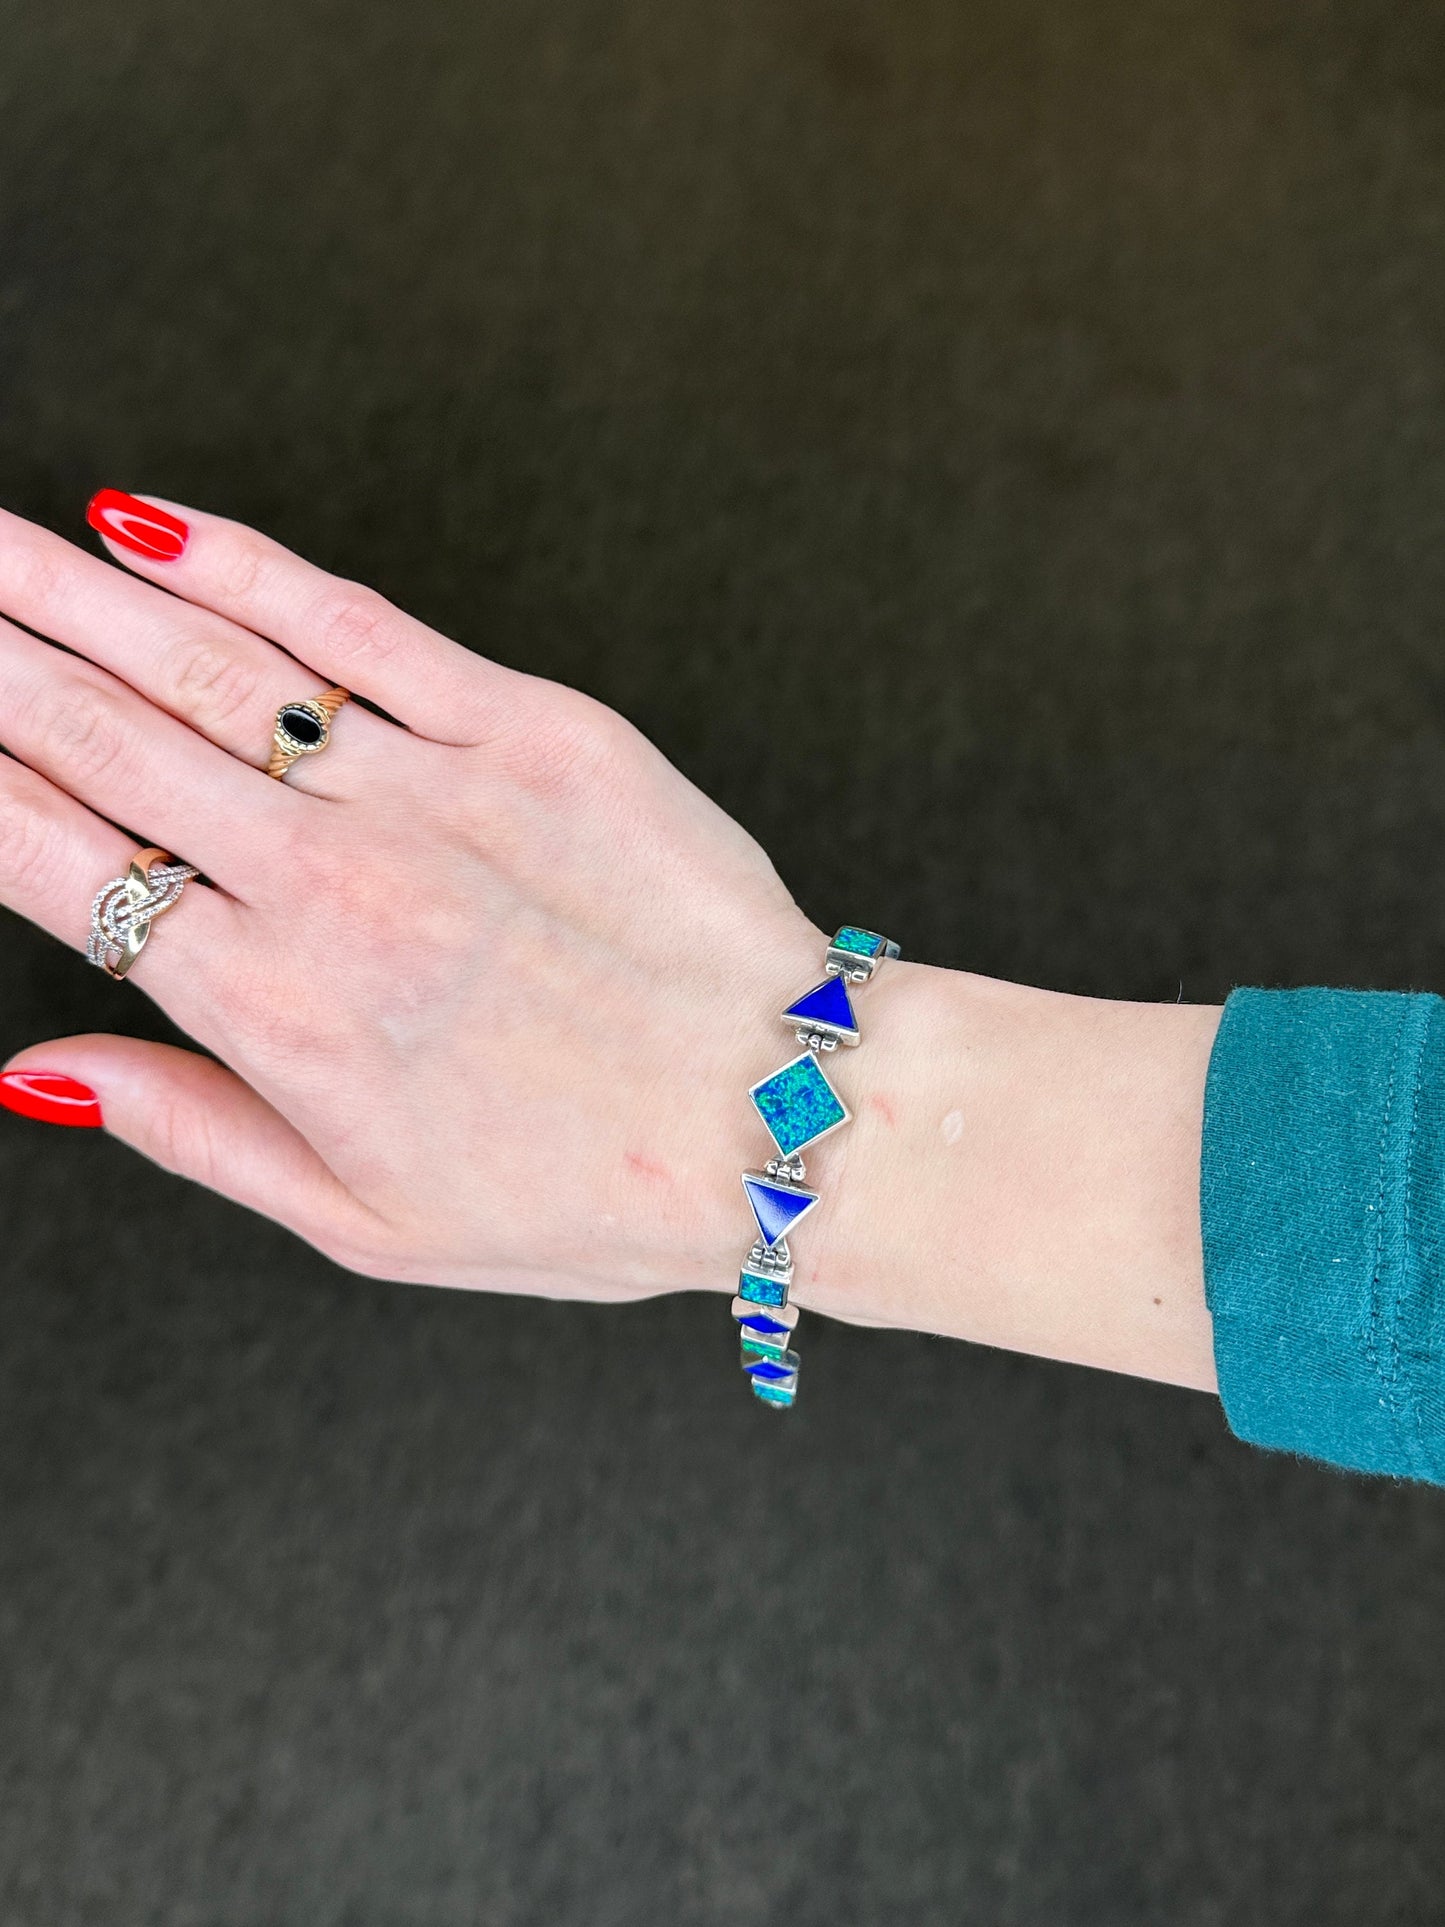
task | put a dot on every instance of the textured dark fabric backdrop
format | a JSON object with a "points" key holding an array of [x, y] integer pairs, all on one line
{"points": [[999, 451]]}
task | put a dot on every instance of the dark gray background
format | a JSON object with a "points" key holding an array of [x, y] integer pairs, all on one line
{"points": [[998, 450]]}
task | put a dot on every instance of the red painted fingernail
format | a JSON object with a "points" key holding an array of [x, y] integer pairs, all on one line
{"points": [[51, 1096], [139, 526]]}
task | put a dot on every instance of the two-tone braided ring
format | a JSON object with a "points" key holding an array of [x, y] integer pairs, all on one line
{"points": [[125, 908]]}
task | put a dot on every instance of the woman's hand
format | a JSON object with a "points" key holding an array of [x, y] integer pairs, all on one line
{"points": [[487, 983]]}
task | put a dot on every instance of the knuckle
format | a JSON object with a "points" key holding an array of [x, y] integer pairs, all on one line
{"points": [[32, 576], [356, 623], [178, 1137], [239, 566], [571, 744], [215, 685], [27, 845], [80, 731]]}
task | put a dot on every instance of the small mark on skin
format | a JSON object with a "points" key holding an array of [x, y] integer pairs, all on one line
{"points": [[884, 1109], [952, 1127], [1158, 1301], [646, 1168]]}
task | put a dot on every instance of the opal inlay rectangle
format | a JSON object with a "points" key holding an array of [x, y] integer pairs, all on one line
{"points": [[775, 1394], [861, 943], [762, 1291]]}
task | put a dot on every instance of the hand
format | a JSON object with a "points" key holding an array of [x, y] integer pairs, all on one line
{"points": [[485, 986]]}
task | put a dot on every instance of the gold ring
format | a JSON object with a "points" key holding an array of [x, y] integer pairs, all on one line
{"points": [[125, 908], [303, 729]]}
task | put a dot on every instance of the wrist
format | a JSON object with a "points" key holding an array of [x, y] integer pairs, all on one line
{"points": [[1022, 1170]]}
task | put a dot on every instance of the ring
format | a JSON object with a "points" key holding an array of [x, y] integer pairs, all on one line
{"points": [[303, 729], [125, 908]]}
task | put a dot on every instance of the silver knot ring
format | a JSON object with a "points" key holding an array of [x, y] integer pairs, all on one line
{"points": [[125, 908]]}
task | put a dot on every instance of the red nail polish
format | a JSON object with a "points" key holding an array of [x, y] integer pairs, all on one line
{"points": [[50, 1096], [138, 526]]}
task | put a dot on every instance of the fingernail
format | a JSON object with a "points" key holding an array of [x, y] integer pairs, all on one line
{"points": [[51, 1096], [138, 526]]}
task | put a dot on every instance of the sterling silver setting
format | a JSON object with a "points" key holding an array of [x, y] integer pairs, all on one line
{"points": [[125, 908], [771, 1260], [820, 1039], [858, 970], [789, 1170]]}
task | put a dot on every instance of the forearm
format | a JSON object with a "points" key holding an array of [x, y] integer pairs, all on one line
{"points": [[1022, 1170]]}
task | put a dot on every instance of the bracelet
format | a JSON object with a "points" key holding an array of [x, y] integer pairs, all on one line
{"points": [[799, 1106]]}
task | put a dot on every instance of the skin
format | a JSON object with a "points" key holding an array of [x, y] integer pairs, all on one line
{"points": [[476, 1004]]}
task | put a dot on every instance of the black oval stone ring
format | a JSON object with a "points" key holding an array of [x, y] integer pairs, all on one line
{"points": [[303, 729]]}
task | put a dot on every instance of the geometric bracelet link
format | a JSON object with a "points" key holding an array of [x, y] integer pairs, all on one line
{"points": [[798, 1105]]}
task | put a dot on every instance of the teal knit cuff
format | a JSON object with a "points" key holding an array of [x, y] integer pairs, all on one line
{"points": [[1321, 1195]]}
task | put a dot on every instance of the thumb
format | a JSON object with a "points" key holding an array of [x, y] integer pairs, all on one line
{"points": [[190, 1115]]}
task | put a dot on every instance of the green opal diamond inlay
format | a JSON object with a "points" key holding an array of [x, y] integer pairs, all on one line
{"points": [[798, 1104], [859, 943]]}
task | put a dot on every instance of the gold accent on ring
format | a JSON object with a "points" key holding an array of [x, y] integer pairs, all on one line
{"points": [[309, 731], [125, 908]]}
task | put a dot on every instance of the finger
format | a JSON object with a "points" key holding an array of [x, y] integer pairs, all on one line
{"points": [[346, 633], [96, 738], [55, 855], [192, 1116], [221, 679]]}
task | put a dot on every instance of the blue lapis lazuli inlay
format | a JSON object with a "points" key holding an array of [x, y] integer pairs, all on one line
{"points": [[777, 1207], [828, 1004], [762, 1291], [759, 1325], [798, 1104], [770, 1370], [860, 943]]}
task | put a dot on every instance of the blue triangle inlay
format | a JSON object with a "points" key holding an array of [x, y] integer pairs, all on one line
{"points": [[777, 1207], [827, 1003], [766, 1370], [765, 1327]]}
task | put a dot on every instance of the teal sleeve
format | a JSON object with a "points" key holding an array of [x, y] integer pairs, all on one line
{"points": [[1321, 1197]]}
